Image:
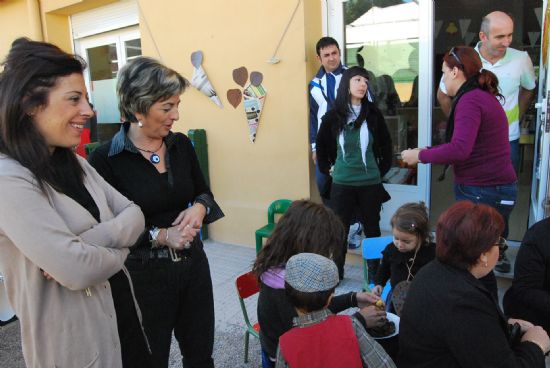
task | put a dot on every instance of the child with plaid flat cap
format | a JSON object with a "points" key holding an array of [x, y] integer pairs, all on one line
{"points": [[319, 338]]}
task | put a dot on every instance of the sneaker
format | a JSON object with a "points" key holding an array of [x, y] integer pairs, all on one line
{"points": [[355, 242], [503, 264], [354, 229], [354, 236]]}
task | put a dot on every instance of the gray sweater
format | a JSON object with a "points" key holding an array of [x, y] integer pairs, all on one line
{"points": [[69, 322]]}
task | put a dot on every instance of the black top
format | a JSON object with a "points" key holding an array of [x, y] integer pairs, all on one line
{"points": [[451, 320], [394, 263], [161, 196], [328, 136], [530, 291], [69, 185]]}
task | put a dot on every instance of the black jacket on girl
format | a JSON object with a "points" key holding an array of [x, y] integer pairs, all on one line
{"points": [[330, 129]]}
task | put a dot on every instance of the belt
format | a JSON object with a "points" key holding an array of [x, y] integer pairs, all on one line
{"points": [[160, 254]]}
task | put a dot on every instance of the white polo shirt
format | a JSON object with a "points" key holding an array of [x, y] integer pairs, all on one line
{"points": [[514, 70]]}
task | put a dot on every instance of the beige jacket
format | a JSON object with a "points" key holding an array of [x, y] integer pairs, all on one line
{"points": [[62, 323]]}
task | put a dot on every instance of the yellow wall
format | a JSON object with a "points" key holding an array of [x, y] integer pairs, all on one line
{"points": [[18, 19], [245, 177]]}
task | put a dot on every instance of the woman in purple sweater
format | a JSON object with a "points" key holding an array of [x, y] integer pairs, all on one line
{"points": [[476, 139]]}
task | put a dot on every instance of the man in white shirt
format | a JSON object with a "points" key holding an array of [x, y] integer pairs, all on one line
{"points": [[517, 83]]}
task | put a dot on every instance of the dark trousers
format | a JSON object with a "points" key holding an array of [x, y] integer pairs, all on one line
{"points": [[133, 346], [177, 296], [345, 200]]}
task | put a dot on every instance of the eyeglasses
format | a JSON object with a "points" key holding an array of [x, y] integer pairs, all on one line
{"points": [[453, 54], [501, 243]]}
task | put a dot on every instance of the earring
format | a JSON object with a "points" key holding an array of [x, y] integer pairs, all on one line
{"points": [[140, 124], [485, 264]]}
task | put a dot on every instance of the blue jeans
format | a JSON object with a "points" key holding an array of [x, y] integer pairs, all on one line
{"points": [[500, 197], [514, 154]]}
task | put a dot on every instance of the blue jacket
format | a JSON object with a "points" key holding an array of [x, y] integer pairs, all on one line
{"points": [[318, 100]]}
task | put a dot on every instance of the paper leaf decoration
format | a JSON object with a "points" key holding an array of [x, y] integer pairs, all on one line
{"points": [[533, 37], [234, 96], [256, 78], [196, 58], [468, 38], [240, 76], [200, 80], [451, 28], [437, 27], [538, 13], [464, 24]]}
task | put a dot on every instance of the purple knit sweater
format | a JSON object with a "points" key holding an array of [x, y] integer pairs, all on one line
{"points": [[479, 150]]}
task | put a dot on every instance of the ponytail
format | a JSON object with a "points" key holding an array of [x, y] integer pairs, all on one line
{"points": [[488, 81]]}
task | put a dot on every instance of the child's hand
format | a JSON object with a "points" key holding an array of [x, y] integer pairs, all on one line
{"points": [[365, 299], [377, 290]]}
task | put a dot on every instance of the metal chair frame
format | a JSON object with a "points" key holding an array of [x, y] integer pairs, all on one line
{"points": [[247, 286]]}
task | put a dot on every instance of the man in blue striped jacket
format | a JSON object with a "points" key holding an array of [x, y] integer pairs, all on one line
{"points": [[322, 93]]}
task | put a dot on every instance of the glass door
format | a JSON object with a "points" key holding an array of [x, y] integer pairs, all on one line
{"points": [[458, 22], [392, 40], [106, 54], [540, 187]]}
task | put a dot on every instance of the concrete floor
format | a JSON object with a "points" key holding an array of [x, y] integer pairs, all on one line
{"points": [[226, 263]]}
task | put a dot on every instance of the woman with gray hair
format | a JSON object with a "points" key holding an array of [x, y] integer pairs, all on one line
{"points": [[159, 170]]}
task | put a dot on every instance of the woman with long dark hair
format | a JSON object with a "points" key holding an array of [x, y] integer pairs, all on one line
{"points": [[477, 138], [354, 148], [63, 230]]}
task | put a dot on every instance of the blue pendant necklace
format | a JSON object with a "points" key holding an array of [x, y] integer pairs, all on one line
{"points": [[154, 158]]}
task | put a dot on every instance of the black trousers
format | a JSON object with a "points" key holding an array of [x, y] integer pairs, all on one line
{"points": [[177, 296], [132, 341], [346, 200]]}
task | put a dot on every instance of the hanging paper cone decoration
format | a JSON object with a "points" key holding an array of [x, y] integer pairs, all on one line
{"points": [[254, 98], [200, 80]]}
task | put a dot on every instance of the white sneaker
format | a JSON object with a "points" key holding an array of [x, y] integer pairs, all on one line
{"points": [[355, 238]]}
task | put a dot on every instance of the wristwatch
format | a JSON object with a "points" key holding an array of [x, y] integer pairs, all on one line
{"points": [[154, 233]]}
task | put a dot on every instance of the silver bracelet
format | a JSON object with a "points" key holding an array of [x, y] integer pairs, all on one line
{"points": [[154, 233]]}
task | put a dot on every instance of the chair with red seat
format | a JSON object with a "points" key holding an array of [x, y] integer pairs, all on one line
{"points": [[247, 286]]}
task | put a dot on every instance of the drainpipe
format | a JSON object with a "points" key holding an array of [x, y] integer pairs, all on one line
{"points": [[35, 20]]}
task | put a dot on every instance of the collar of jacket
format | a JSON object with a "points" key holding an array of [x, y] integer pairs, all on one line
{"points": [[121, 142], [322, 72]]}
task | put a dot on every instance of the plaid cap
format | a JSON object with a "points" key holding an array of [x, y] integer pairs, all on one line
{"points": [[310, 272]]}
